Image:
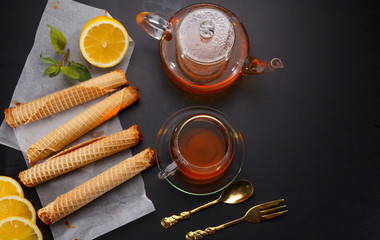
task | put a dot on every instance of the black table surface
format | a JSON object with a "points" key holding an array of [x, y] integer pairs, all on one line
{"points": [[311, 130]]}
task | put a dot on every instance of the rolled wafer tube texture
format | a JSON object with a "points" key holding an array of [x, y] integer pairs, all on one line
{"points": [[86, 192], [64, 99], [80, 155], [81, 124]]}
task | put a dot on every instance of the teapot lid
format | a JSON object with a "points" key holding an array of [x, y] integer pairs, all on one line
{"points": [[205, 35]]}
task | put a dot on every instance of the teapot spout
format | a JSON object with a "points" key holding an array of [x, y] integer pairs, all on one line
{"points": [[253, 65]]}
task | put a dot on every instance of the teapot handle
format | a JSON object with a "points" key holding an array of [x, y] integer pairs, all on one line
{"points": [[253, 65], [154, 25]]}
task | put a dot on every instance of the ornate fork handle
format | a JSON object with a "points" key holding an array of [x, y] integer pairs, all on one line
{"points": [[200, 233], [210, 230], [168, 222]]}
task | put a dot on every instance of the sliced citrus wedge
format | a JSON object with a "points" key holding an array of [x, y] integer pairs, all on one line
{"points": [[16, 206], [104, 42], [9, 186], [19, 228]]}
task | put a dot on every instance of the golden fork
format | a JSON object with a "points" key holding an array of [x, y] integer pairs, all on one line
{"points": [[256, 214]]}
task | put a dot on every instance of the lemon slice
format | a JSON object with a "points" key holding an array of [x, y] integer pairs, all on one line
{"points": [[104, 42], [16, 206], [19, 228], [9, 186]]}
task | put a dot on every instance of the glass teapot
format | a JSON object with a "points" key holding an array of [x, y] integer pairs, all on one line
{"points": [[204, 48]]}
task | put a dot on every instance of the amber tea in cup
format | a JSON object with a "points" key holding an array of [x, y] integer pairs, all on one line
{"points": [[202, 147]]}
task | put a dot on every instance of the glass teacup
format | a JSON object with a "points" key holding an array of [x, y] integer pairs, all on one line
{"points": [[199, 173], [201, 148]]}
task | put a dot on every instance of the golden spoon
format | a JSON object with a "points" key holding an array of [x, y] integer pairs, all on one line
{"points": [[237, 192]]}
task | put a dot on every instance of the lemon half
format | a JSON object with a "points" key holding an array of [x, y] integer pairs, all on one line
{"points": [[104, 42]]}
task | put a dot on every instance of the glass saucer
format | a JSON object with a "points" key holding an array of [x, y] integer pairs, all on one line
{"points": [[180, 181]]}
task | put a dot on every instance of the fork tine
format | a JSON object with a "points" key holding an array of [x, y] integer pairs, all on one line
{"points": [[273, 215], [269, 204], [269, 210]]}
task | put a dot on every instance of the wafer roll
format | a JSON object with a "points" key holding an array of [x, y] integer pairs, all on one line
{"points": [[81, 124], [80, 155], [78, 197], [64, 99]]}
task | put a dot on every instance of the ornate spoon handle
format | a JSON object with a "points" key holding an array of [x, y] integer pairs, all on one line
{"points": [[168, 222], [195, 235]]}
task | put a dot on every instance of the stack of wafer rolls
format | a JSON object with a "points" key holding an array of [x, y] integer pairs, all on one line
{"points": [[64, 99], [80, 155], [95, 187], [81, 124]]}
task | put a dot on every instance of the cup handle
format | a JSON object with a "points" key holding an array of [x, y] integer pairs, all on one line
{"points": [[170, 169], [253, 65], [154, 25]]}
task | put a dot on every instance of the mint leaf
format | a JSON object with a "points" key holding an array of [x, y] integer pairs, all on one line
{"points": [[53, 74], [58, 40], [48, 60], [52, 70], [83, 72], [70, 72]]}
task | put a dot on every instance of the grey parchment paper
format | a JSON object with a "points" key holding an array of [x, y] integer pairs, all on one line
{"points": [[121, 205]]}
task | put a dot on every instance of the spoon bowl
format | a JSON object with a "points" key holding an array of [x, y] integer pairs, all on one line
{"points": [[237, 192]]}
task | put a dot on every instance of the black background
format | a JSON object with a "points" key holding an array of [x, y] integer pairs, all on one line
{"points": [[311, 130]]}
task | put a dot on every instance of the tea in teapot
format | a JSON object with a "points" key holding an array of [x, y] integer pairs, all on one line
{"points": [[204, 47]]}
